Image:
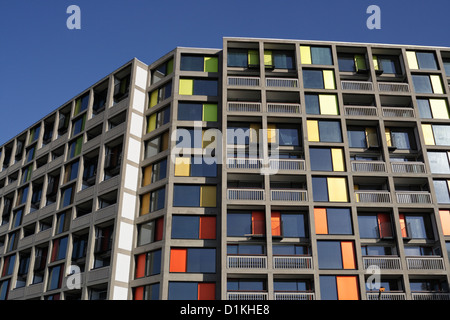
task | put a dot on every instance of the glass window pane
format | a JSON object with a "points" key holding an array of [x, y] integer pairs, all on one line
{"points": [[313, 79], [320, 189], [185, 227], [192, 63], [190, 111], [416, 227], [205, 87], [368, 226], [346, 63], [400, 139], [441, 189], [339, 221], [426, 60], [441, 135], [201, 260], [422, 84], [283, 60], [203, 167], [389, 64], [183, 290], [321, 55], [312, 104], [288, 136], [239, 224], [424, 108], [320, 159], [329, 253], [293, 225], [237, 58], [328, 288], [439, 162], [330, 131], [186, 196], [447, 68], [357, 138]]}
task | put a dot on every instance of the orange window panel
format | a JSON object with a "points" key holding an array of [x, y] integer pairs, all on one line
{"points": [[159, 229], [403, 225], [147, 179], [347, 287], [178, 260], [348, 255], [206, 291], [207, 228], [445, 221], [384, 225], [320, 218], [140, 265], [258, 222], [139, 293], [275, 221]]}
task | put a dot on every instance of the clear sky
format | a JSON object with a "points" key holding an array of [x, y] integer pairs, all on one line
{"points": [[43, 64]]}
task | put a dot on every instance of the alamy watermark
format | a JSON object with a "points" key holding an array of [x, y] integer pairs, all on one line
{"points": [[74, 20], [374, 21]]}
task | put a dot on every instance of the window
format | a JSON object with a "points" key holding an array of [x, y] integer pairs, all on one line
{"points": [[400, 138], [75, 147], [79, 250], [283, 135], [324, 131], [416, 226], [195, 166], [194, 196], [188, 111], [326, 159], [245, 223], [352, 63], [162, 70], [387, 64], [81, 104], [436, 134], [325, 104], [22, 195], [155, 172], [59, 249], [191, 290], [4, 289], [336, 255], [193, 260], [290, 249], [26, 173], [8, 265], [421, 60], [158, 119], [375, 226], [148, 264], [156, 145], [55, 277], [78, 125], [433, 108], [160, 94], [280, 59], [439, 162], [238, 58], [332, 189], [148, 292], [17, 218], [206, 87], [71, 171], [246, 285], [245, 249], [102, 247], [150, 232], [428, 285], [318, 79], [288, 225], [193, 227], [339, 288], [315, 55], [153, 201], [360, 137], [67, 195], [113, 160], [40, 261], [100, 98], [378, 250], [333, 221], [445, 221], [62, 222], [121, 87], [199, 63], [427, 83], [89, 171], [22, 273], [292, 286]]}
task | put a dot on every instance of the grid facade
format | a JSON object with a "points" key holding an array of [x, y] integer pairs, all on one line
{"points": [[266, 170]]}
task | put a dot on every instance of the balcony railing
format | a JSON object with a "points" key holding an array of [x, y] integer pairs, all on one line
{"points": [[386, 296], [368, 166], [365, 111], [408, 167], [291, 108], [244, 81], [244, 163], [373, 196], [394, 112], [357, 85], [247, 262], [294, 296], [281, 82], [425, 263], [292, 262], [393, 87], [245, 194], [430, 296], [247, 295], [244, 107], [413, 197], [287, 164], [289, 195], [382, 262]]}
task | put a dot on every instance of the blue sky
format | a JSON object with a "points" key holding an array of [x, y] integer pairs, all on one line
{"points": [[43, 64]]}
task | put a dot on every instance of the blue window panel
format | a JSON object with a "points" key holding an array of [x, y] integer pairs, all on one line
{"points": [[321, 55], [330, 131], [357, 138], [439, 162], [320, 189], [312, 104], [347, 63], [54, 278], [237, 58], [400, 140], [4, 287], [155, 264], [239, 224], [245, 285], [416, 227], [186, 196], [320, 159], [426, 60], [192, 63], [293, 225], [368, 227], [288, 137], [424, 108], [190, 111], [203, 167], [183, 290], [283, 60], [447, 68], [313, 79], [441, 135], [339, 221], [329, 254], [201, 260], [328, 288], [185, 227], [422, 84], [389, 64], [205, 87], [441, 189]]}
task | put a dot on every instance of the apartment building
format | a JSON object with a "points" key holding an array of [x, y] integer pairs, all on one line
{"points": [[266, 170]]}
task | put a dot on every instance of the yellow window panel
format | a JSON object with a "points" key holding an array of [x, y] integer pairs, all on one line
{"points": [[169, 66], [253, 57], [375, 63], [268, 61], [337, 190], [371, 137], [305, 54], [254, 132], [328, 104], [186, 87], [209, 141], [436, 84], [271, 133], [313, 130], [337, 157], [182, 167], [360, 62], [147, 176], [328, 79], [428, 134], [208, 196], [356, 188], [211, 64], [151, 123], [154, 98], [439, 108], [387, 132], [145, 203], [412, 60]]}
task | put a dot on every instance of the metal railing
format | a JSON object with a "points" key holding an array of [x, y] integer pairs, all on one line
{"points": [[247, 295], [287, 164], [292, 262], [244, 163], [289, 195], [382, 262], [357, 85], [425, 263], [393, 87], [294, 296], [373, 196], [247, 262], [395, 112], [386, 296], [368, 166], [430, 296], [244, 107], [413, 197], [292, 108], [245, 194], [360, 111], [244, 81], [282, 82], [408, 167]]}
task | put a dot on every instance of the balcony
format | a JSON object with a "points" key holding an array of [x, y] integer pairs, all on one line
{"points": [[294, 296], [413, 197], [425, 263], [244, 81], [408, 167], [368, 166], [287, 164], [382, 262], [393, 87], [395, 112], [244, 107], [373, 196], [245, 194], [386, 296], [246, 262], [365, 111], [281, 83], [287, 108], [247, 295], [430, 296], [357, 85], [289, 195], [292, 262], [244, 163]]}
